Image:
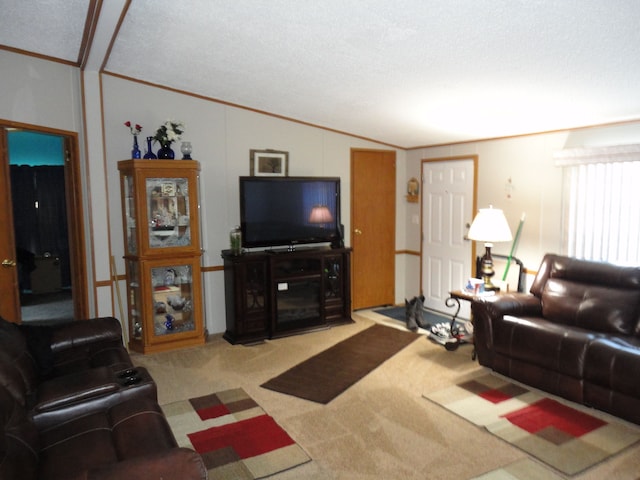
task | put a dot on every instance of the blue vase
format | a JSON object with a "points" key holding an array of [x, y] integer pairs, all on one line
{"points": [[166, 153], [149, 155], [135, 153]]}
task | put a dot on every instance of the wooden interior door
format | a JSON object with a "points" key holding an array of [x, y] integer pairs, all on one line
{"points": [[10, 298], [373, 227]]}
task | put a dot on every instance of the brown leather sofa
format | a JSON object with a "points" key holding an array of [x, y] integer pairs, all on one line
{"points": [[72, 405], [69, 369], [575, 335]]}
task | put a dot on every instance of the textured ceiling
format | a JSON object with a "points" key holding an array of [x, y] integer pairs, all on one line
{"points": [[407, 73]]}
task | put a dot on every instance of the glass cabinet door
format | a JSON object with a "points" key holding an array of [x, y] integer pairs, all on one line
{"points": [[172, 297], [333, 277], [168, 212], [131, 234], [135, 305]]}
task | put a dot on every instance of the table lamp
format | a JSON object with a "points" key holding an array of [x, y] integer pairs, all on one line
{"points": [[490, 226]]}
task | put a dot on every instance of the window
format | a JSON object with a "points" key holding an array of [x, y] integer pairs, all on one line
{"points": [[601, 219]]}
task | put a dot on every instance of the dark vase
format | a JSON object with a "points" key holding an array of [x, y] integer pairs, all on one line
{"points": [[149, 155], [165, 152], [135, 153]]}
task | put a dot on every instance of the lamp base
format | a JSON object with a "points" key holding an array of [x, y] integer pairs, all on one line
{"points": [[486, 269]]}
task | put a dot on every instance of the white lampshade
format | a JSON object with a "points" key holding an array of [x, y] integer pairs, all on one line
{"points": [[320, 214], [490, 226]]}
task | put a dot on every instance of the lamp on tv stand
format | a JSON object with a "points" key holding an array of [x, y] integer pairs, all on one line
{"points": [[490, 226]]}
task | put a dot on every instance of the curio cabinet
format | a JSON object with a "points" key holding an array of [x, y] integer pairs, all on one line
{"points": [[160, 210]]}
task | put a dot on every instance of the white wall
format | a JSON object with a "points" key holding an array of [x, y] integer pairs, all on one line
{"points": [[40, 92], [518, 175], [49, 94], [222, 137]]}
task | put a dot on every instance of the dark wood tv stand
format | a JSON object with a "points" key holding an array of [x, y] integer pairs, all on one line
{"points": [[277, 293]]}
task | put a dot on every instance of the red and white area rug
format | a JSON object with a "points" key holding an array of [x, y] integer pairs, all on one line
{"points": [[525, 469], [234, 436], [566, 436]]}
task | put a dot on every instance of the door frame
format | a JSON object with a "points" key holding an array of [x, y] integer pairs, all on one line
{"points": [[474, 207], [74, 205]]}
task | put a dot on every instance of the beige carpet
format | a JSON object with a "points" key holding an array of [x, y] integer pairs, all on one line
{"points": [[380, 428]]}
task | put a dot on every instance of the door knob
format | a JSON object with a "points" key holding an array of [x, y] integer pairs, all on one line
{"points": [[357, 231], [465, 237], [8, 263]]}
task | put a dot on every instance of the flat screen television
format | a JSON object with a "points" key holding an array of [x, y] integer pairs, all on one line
{"points": [[289, 211]]}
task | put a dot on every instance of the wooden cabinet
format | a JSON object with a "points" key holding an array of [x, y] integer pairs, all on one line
{"points": [[162, 253], [247, 299], [271, 294]]}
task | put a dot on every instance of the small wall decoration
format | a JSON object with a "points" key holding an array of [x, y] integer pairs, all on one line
{"points": [[413, 190], [269, 163]]}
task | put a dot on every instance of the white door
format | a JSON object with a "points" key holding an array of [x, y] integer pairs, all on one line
{"points": [[447, 212]]}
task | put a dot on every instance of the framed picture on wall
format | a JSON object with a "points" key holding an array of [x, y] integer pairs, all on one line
{"points": [[269, 163]]}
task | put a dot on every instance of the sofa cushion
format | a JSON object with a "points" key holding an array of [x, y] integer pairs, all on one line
{"points": [[83, 345], [18, 371], [19, 444], [611, 362], [38, 338], [584, 272], [543, 343], [595, 308], [131, 429]]}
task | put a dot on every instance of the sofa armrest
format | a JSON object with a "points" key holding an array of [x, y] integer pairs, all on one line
{"points": [[85, 332], [175, 464], [72, 389], [516, 304], [489, 310]]}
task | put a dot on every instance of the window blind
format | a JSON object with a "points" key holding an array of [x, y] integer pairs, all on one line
{"points": [[601, 215]]}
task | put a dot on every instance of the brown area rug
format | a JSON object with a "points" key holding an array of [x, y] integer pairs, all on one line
{"points": [[567, 436], [235, 437], [326, 375]]}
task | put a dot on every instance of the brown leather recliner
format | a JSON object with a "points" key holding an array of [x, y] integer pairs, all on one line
{"points": [[70, 369], [73, 406], [576, 334], [129, 440]]}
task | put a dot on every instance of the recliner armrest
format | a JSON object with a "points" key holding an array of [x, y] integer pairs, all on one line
{"points": [[71, 389], [516, 304], [177, 463], [488, 313]]}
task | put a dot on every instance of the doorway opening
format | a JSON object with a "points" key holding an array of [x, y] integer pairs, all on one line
{"points": [[36, 165], [45, 239]]}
